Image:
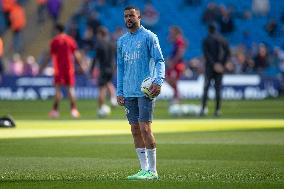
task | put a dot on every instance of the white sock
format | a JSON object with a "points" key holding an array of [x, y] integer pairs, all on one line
{"points": [[142, 156], [151, 153]]}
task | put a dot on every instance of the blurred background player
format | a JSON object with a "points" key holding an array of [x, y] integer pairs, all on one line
{"points": [[216, 53], [63, 50], [175, 64], [138, 57], [105, 59]]}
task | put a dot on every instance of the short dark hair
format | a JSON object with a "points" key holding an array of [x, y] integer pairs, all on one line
{"points": [[59, 27], [102, 30], [132, 7]]}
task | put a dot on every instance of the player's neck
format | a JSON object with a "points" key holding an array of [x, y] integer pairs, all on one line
{"points": [[135, 29]]}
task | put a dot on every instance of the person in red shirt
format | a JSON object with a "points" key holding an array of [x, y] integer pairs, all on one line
{"points": [[63, 50], [175, 64]]}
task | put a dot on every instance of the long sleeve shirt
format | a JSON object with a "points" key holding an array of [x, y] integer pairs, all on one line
{"points": [[216, 50], [138, 56]]}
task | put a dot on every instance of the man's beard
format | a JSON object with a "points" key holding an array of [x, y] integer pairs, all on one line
{"points": [[132, 25]]}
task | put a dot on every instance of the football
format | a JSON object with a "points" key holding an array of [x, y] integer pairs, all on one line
{"points": [[104, 111], [145, 87]]}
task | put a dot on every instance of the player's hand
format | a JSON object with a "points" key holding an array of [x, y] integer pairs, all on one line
{"points": [[218, 68], [120, 100], [155, 89]]}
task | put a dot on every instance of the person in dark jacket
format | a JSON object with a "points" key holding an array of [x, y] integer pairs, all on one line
{"points": [[216, 52], [105, 56]]}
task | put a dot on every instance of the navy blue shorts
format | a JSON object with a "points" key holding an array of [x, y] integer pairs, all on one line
{"points": [[139, 109]]}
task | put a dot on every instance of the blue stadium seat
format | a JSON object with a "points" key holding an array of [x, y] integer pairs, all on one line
{"points": [[189, 19]]}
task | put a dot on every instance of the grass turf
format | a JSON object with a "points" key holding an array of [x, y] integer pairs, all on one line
{"points": [[244, 150], [235, 109], [191, 154]]}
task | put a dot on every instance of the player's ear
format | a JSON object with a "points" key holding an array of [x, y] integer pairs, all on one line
{"points": [[139, 14]]}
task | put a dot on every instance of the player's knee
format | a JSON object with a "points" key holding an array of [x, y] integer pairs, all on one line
{"points": [[135, 130], [145, 130]]}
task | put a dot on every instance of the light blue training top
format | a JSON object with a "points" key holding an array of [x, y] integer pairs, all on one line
{"points": [[139, 56]]}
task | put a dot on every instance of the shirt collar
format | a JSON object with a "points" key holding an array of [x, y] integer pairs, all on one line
{"points": [[137, 31]]}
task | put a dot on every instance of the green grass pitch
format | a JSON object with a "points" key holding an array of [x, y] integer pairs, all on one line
{"points": [[242, 149]]}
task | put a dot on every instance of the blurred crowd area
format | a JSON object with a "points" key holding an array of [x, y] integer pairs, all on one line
{"points": [[248, 56]]}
